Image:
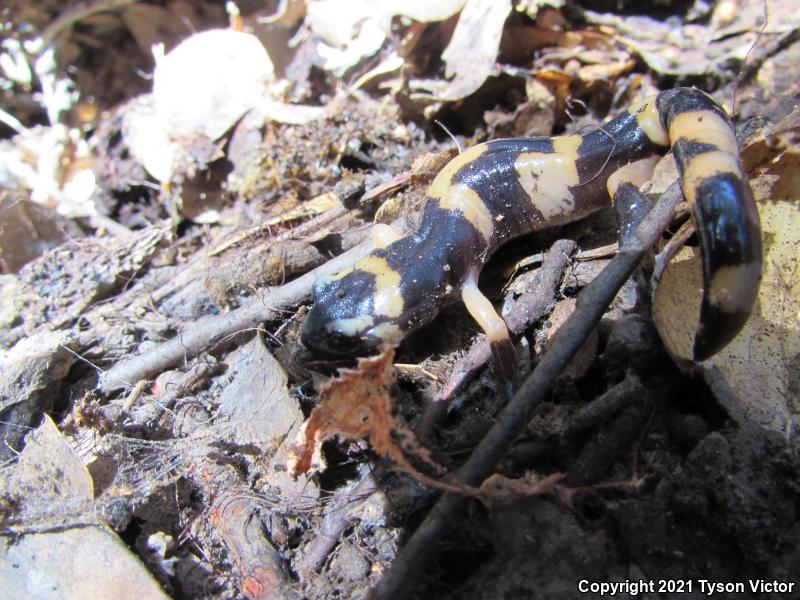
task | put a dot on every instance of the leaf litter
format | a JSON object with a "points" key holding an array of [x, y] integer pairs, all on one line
{"points": [[172, 175]]}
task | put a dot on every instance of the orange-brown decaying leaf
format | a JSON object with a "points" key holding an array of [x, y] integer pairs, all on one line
{"points": [[357, 406]]}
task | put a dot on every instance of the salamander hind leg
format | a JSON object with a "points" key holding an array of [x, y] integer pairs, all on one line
{"points": [[493, 325]]}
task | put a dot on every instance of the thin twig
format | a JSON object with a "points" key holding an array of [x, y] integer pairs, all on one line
{"points": [[205, 333], [592, 304]]}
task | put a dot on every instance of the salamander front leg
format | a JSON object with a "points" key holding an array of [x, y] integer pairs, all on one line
{"points": [[481, 309]]}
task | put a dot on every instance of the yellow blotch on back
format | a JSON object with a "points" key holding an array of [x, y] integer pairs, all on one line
{"points": [[443, 180], [707, 165], [466, 200], [387, 300], [707, 127], [462, 198], [337, 276], [547, 177]]}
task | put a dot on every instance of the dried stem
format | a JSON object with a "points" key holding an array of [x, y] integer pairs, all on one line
{"points": [[207, 332]]}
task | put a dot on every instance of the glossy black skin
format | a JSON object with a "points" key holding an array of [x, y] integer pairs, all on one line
{"points": [[355, 298], [600, 153]]}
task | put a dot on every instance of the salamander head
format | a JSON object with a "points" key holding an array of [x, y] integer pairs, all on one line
{"points": [[359, 310]]}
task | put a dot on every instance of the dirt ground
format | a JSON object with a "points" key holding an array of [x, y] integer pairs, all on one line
{"points": [[163, 221]]}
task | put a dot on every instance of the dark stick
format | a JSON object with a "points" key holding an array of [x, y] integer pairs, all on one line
{"points": [[592, 304]]}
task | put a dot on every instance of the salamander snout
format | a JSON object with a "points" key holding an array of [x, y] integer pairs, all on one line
{"points": [[342, 322], [337, 338]]}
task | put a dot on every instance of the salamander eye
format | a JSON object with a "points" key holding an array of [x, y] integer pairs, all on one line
{"points": [[340, 294], [340, 344]]}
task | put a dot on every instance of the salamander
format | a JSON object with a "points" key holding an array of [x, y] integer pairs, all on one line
{"points": [[504, 188]]}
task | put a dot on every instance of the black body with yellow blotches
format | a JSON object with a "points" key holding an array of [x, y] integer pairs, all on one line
{"points": [[504, 188]]}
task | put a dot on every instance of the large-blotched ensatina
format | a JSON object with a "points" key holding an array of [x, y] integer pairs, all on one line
{"points": [[507, 187]]}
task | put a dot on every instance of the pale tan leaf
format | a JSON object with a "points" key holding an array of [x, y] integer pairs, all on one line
{"points": [[471, 54], [49, 466], [89, 562], [209, 81]]}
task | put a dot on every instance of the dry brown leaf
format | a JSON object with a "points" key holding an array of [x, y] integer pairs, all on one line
{"points": [[426, 166], [31, 370], [760, 365], [358, 406], [87, 562], [200, 89], [28, 230], [677, 52], [149, 25], [53, 166], [426, 11], [532, 8], [558, 84], [605, 71], [692, 49], [347, 34], [258, 409], [288, 14], [148, 142], [388, 67], [472, 52], [48, 466]]}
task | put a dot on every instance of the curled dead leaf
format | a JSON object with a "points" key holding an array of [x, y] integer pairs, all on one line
{"points": [[471, 55], [358, 406]]}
